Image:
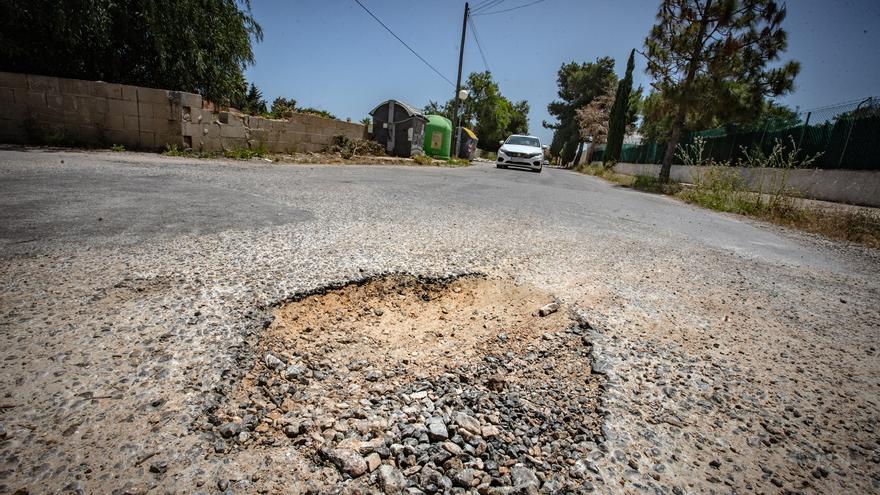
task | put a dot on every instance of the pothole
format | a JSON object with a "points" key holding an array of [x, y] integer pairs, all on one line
{"points": [[399, 382]]}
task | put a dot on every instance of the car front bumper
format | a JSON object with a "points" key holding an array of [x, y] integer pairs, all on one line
{"points": [[532, 163]]}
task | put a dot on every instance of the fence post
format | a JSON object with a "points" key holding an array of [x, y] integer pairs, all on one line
{"points": [[804, 130], [732, 145], [852, 123], [763, 133]]}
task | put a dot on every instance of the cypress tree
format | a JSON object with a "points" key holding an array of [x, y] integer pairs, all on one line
{"points": [[617, 119]]}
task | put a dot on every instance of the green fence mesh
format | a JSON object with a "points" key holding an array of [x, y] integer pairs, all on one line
{"points": [[845, 135]]}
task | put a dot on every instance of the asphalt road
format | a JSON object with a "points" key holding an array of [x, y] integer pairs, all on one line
{"points": [[111, 197], [131, 285]]}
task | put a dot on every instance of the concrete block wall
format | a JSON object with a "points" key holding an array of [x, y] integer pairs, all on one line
{"points": [[211, 131], [53, 110], [856, 187]]}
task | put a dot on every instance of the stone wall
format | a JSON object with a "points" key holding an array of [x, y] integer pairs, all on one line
{"points": [[53, 110], [210, 131]]}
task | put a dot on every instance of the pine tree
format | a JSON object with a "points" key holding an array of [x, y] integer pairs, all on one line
{"points": [[619, 111], [715, 54]]}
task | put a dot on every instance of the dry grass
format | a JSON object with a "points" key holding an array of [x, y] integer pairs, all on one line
{"points": [[722, 192]]}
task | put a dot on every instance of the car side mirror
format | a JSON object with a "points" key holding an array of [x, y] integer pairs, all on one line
{"points": [[545, 147], [501, 143]]}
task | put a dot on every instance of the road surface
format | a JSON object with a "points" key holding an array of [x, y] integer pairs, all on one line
{"points": [[740, 356]]}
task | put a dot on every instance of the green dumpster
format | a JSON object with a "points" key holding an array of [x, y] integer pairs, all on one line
{"points": [[438, 136]]}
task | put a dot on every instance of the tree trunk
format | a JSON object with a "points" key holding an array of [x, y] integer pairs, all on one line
{"points": [[674, 138], [678, 122]]}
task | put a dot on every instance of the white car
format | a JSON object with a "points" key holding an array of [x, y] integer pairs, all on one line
{"points": [[521, 151]]}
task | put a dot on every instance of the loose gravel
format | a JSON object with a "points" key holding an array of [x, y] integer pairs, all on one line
{"points": [[447, 384]]}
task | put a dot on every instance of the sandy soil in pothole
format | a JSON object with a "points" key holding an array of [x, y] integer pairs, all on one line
{"points": [[399, 382], [397, 320]]}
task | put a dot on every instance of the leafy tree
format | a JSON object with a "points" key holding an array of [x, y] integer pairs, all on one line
{"points": [[776, 116], [714, 54], [519, 118], [282, 107], [434, 108], [199, 46], [577, 85], [252, 103], [492, 116], [594, 119], [315, 111], [619, 112]]}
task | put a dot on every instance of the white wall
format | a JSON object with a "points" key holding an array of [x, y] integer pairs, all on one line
{"points": [[858, 187]]}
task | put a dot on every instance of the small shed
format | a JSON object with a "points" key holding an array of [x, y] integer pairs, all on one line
{"points": [[467, 143], [399, 127]]}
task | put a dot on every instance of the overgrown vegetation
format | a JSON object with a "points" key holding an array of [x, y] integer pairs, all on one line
{"points": [[173, 150], [490, 114], [236, 153], [246, 153], [423, 159], [721, 187], [348, 148]]}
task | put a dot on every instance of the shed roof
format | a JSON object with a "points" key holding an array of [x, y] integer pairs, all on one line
{"points": [[411, 110]]}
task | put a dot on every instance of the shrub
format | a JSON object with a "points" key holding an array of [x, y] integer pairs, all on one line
{"points": [[347, 148], [117, 147]]}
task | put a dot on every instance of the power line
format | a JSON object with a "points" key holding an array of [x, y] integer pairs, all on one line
{"points": [[484, 4], [510, 9], [479, 47], [488, 4], [404, 43]]}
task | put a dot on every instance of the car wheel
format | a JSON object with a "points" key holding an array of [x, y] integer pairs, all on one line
{"points": [[539, 170], [500, 165]]}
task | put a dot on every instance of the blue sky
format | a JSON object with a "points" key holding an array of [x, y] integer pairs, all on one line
{"points": [[331, 54]]}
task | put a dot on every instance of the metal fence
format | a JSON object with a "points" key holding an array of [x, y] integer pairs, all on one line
{"points": [[845, 135]]}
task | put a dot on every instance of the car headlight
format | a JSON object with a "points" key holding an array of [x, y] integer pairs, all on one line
{"points": [[533, 155]]}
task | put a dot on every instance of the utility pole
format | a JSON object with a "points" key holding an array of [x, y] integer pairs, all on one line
{"points": [[455, 119]]}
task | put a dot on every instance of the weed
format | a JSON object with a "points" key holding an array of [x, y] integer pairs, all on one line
{"points": [[605, 173], [172, 150], [117, 147], [246, 153], [774, 189], [691, 155], [457, 162], [650, 184], [423, 159]]}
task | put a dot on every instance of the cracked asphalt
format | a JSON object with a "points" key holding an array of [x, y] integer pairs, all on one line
{"points": [[741, 357]]}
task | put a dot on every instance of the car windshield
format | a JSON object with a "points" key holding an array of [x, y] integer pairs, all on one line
{"points": [[523, 141]]}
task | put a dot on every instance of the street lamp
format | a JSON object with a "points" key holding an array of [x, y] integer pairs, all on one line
{"points": [[462, 95]]}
